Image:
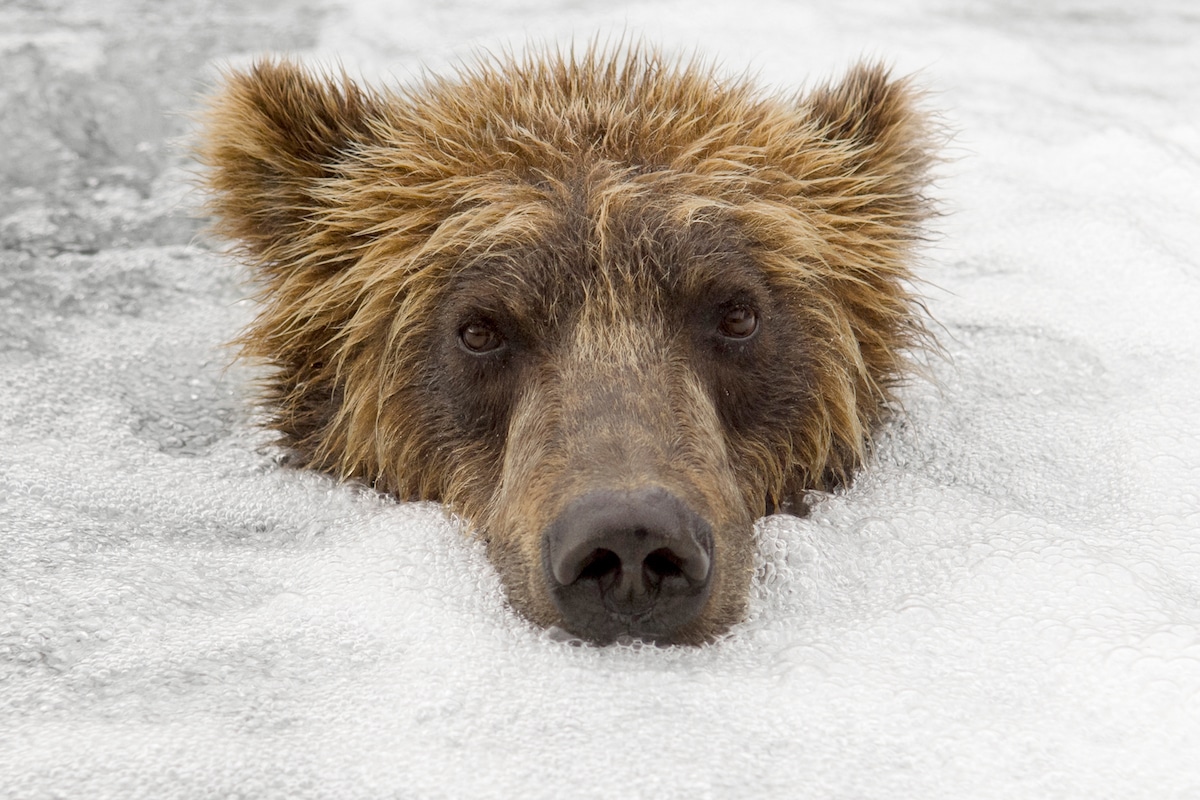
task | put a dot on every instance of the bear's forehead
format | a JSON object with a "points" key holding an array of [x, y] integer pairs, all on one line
{"points": [[610, 223], [644, 252]]}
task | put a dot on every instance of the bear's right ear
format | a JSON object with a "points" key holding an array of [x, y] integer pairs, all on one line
{"points": [[271, 136]]}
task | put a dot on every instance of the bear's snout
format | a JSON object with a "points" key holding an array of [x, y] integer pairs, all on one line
{"points": [[628, 563]]}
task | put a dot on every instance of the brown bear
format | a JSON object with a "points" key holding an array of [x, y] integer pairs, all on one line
{"points": [[609, 307]]}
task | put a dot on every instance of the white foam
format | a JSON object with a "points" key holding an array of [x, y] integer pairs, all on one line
{"points": [[1004, 605]]}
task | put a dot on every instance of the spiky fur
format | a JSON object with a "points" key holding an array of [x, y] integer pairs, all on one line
{"points": [[363, 210]]}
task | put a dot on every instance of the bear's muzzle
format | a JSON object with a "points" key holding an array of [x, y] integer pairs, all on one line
{"points": [[628, 563]]}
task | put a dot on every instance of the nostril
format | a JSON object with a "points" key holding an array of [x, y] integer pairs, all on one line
{"points": [[692, 565], [664, 563], [600, 563]]}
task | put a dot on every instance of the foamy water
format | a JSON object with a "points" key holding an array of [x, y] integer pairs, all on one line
{"points": [[1005, 604]]}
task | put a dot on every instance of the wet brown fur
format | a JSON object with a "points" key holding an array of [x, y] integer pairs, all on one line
{"points": [[600, 210]]}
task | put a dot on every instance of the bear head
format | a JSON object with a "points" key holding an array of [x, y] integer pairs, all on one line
{"points": [[608, 308]]}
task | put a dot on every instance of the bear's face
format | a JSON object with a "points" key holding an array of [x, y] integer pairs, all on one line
{"points": [[609, 311], [618, 378]]}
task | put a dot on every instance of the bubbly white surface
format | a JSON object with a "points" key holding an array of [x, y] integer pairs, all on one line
{"points": [[1005, 604]]}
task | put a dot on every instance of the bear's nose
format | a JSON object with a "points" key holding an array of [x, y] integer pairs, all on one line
{"points": [[636, 563]]}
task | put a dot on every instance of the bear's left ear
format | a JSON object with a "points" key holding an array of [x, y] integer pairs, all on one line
{"points": [[271, 137], [884, 141]]}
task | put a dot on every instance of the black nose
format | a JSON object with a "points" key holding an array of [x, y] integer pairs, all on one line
{"points": [[635, 563]]}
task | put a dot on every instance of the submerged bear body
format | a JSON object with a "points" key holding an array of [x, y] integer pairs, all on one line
{"points": [[609, 309]]}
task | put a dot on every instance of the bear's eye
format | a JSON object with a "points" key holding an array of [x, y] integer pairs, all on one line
{"points": [[739, 322], [479, 337]]}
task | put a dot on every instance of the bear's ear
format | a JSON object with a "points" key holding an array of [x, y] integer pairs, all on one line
{"points": [[271, 136], [885, 141]]}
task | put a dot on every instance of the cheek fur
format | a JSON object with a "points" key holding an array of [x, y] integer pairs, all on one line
{"points": [[755, 384]]}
